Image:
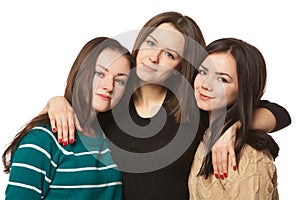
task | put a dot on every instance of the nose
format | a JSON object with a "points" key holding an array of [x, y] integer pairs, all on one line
{"points": [[154, 55], [206, 84], [107, 84]]}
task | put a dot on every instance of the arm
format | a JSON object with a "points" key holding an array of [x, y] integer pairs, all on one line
{"points": [[31, 168], [62, 119], [268, 117]]}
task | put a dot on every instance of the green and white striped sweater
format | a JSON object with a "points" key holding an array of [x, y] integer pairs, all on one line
{"points": [[41, 168]]}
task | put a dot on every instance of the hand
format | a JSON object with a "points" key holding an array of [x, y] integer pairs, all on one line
{"points": [[62, 119], [222, 148]]}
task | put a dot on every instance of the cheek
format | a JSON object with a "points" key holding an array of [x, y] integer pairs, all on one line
{"points": [[118, 93], [140, 55], [166, 71], [95, 83], [231, 96], [197, 82]]}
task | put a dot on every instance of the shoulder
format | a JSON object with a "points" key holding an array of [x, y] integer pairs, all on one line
{"points": [[40, 135], [39, 146], [250, 153], [254, 160]]}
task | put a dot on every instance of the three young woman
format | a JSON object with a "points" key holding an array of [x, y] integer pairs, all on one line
{"points": [[156, 149]]}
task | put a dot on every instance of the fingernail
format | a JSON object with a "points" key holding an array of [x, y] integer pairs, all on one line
{"points": [[59, 140], [217, 176], [225, 175], [54, 130], [222, 177], [234, 168], [65, 143], [71, 141]]}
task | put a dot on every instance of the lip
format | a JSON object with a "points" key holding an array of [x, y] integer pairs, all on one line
{"points": [[148, 68], [205, 97], [104, 97]]}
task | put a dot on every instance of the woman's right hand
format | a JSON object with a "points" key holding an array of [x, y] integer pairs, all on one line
{"points": [[62, 119]]}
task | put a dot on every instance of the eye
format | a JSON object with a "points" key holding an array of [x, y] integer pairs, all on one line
{"points": [[222, 79], [150, 43], [120, 82], [99, 74], [170, 55], [202, 72]]}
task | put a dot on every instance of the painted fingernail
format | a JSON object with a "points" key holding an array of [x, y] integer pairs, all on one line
{"points": [[65, 143], [54, 130], [217, 176], [222, 177], [59, 140], [71, 141], [225, 175], [234, 168]]}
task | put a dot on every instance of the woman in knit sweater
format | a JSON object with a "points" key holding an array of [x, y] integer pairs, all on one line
{"points": [[229, 85]]}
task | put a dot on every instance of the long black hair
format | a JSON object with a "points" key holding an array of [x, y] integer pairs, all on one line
{"points": [[252, 75]]}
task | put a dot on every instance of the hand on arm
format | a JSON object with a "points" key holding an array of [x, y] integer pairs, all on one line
{"points": [[222, 148], [62, 119], [268, 117]]}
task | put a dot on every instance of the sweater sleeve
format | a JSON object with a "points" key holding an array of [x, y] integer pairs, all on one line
{"points": [[32, 166], [281, 115]]}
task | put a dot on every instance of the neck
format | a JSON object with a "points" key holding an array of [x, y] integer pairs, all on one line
{"points": [[214, 114], [148, 99]]}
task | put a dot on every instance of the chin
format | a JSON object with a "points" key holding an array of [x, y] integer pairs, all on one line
{"points": [[203, 106], [102, 109]]}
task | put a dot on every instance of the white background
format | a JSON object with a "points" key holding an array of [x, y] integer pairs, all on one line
{"points": [[39, 41]]}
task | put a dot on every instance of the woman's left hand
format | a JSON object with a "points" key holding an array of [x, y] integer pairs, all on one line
{"points": [[223, 148]]}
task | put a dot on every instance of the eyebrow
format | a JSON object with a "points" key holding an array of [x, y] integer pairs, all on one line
{"points": [[105, 69], [204, 67], [165, 48], [218, 73]]}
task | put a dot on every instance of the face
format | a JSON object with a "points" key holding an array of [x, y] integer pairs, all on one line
{"points": [[216, 85], [160, 54], [111, 75]]}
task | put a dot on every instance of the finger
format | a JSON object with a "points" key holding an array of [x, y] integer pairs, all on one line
{"points": [[65, 130], [59, 131], [219, 165], [71, 128], [238, 124], [233, 158], [53, 126], [224, 163], [215, 165]]}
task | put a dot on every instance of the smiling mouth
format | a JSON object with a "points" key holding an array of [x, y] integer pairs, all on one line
{"points": [[149, 69], [104, 97], [204, 97]]}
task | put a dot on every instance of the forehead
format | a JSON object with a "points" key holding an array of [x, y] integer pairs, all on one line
{"points": [[113, 60], [169, 37], [220, 62]]}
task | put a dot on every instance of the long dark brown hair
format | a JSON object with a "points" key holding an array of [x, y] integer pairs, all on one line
{"points": [[78, 88], [252, 75], [194, 46]]}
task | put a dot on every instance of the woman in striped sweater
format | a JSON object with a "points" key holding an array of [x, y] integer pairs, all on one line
{"points": [[40, 168]]}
